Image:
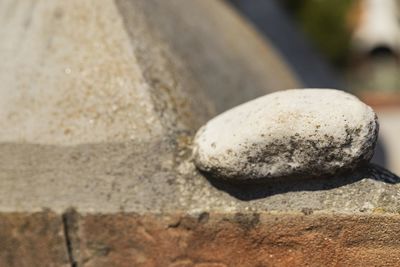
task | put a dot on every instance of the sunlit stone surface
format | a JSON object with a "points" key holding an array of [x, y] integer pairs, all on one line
{"points": [[310, 132]]}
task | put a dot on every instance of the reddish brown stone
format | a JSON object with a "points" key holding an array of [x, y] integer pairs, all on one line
{"points": [[219, 240], [32, 239], [207, 240]]}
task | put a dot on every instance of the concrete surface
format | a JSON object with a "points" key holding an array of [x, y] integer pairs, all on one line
{"points": [[99, 103], [100, 96], [86, 72]]}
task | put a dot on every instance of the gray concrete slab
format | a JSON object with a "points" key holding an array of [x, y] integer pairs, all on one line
{"points": [[100, 102], [100, 98]]}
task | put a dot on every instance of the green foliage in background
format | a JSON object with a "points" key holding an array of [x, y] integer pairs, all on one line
{"points": [[325, 23]]}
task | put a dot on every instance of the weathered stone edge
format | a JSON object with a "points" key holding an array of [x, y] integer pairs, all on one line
{"points": [[217, 239]]}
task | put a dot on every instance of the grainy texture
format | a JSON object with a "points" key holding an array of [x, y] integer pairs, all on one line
{"points": [[100, 99], [140, 164], [74, 72], [205, 239], [292, 133], [238, 239], [99, 103], [32, 240]]}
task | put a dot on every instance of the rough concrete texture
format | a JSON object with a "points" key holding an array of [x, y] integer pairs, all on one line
{"points": [[100, 98], [292, 133], [99, 103], [103, 71]]}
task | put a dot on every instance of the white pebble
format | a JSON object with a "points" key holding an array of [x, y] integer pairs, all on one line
{"points": [[292, 133]]}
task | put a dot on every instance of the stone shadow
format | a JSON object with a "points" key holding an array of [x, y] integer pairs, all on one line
{"points": [[247, 191]]}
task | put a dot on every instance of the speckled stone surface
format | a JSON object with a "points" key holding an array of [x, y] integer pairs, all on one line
{"points": [[99, 104], [292, 133], [79, 129], [102, 96]]}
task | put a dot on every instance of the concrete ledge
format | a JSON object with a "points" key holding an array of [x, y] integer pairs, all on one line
{"points": [[160, 178]]}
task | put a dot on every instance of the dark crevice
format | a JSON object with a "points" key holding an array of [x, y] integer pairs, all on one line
{"points": [[69, 225]]}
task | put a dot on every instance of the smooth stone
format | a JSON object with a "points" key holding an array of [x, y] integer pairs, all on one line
{"points": [[296, 133]]}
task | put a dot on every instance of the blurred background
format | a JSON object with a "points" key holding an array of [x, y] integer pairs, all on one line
{"points": [[348, 44]]}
